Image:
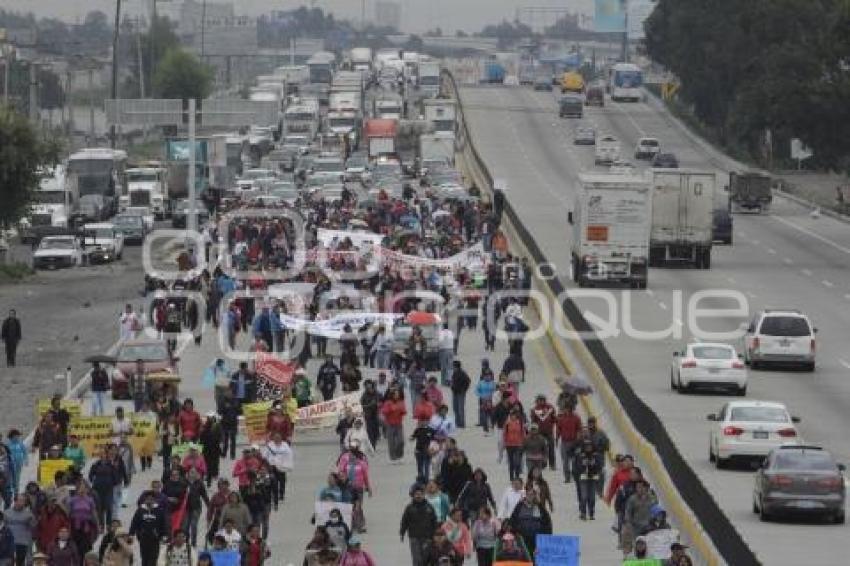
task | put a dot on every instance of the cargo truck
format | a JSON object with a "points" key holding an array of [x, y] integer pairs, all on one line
{"points": [[380, 136], [611, 224], [750, 192], [441, 113], [177, 165], [492, 72], [682, 217], [54, 204], [146, 186], [438, 147], [429, 78], [572, 81], [361, 58]]}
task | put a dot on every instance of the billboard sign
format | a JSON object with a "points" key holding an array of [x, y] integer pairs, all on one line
{"points": [[609, 16]]}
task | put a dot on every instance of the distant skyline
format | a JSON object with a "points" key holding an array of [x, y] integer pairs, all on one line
{"points": [[417, 15]]}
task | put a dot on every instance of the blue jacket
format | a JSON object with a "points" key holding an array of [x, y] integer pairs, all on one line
{"points": [[485, 388], [18, 451]]}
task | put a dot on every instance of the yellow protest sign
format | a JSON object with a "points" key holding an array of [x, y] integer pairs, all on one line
{"points": [[73, 406], [47, 470], [318, 415], [96, 432]]}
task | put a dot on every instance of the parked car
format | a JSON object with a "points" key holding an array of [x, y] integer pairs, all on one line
{"points": [[57, 251], [749, 430], [708, 365], [154, 354], [800, 480], [780, 336]]}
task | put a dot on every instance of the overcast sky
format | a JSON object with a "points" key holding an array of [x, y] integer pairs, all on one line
{"points": [[417, 15]]}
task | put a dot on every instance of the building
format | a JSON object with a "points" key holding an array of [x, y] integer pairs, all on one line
{"points": [[388, 14], [188, 14]]}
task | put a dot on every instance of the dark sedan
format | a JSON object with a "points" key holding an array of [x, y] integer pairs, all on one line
{"points": [[799, 480], [665, 161]]}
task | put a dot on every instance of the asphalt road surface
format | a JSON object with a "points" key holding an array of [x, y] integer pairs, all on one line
{"points": [[316, 452], [782, 259]]}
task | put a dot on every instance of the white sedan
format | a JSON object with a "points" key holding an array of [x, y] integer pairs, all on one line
{"points": [[708, 365], [750, 429]]}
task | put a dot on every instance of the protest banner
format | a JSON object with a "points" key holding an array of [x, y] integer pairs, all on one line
{"points": [[473, 258], [333, 327], [226, 558], [96, 432], [658, 542], [47, 470], [557, 550], [643, 562], [73, 406], [319, 415], [275, 370], [357, 237], [323, 511]]}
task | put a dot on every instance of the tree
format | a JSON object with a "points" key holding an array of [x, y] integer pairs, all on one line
{"points": [[23, 154], [181, 75]]}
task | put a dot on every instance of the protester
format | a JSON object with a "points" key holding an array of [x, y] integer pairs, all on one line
{"points": [[10, 333]]}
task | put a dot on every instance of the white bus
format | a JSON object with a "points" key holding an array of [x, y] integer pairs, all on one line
{"points": [[99, 176], [625, 82]]}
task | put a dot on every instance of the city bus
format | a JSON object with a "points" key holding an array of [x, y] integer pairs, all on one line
{"points": [[625, 81]]}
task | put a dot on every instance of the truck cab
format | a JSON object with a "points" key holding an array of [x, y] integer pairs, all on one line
{"points": [[102, 242], [146, 186]]}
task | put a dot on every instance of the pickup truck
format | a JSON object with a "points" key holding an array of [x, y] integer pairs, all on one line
{"points": [[57, 251], [102, 242]]}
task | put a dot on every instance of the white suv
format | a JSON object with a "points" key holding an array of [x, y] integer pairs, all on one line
{"points": [[780, 336]]}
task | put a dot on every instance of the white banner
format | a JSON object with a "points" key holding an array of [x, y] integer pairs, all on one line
{"points": [[327, 413], [332, 327], [357, 238], [473, 258]]}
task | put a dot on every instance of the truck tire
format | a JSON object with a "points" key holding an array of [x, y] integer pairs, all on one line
{"points": [[706, 259], [575, 269]]}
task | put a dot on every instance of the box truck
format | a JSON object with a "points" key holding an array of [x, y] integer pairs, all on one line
{"points": [[611, 223], [682, 217]]}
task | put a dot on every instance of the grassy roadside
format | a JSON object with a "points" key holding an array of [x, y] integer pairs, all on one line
{"points": [[15, 272]]}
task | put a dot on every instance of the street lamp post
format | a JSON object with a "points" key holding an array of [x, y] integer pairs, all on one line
{"points": [[112, 132]]}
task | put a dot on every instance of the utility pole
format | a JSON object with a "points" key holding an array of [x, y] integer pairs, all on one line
{"points": [[203, 27], [34, 93], [69, 101], [192, 221], [141, 61], [112, 134], [362, 15], [91, 105], [151, 46], [7, 63], [624, 51]]}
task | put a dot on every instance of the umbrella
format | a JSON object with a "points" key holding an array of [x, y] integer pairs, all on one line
{"points": [[576, 385], [101, 359], [422, 318]]}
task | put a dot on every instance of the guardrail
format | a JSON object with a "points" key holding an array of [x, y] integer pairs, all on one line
{"points": [[689, 503]]}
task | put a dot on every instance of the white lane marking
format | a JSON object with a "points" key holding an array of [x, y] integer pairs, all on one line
{"points": [[662, 305], [828, 283], [751, 295], [742, 234], [771, 251], [807, 272], [756, 242], [788, 260], [847, 296], [731, 280], [844, 363], [650, 292], [632, 120], [678, 322], [812, 234]]}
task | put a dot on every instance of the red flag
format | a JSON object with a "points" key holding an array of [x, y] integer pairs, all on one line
{"points": [[179, 514], [274, 370]]}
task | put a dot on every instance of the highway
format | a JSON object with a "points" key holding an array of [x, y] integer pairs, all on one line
{"points": [[783, 259]]}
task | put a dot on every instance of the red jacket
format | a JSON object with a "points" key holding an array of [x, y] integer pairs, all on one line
{"points": [[544, 416], [619, 478], [47, 528], [423, 410], [514, 433], [279, 423], [190, 423], [568, 426], [393, 412]]}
